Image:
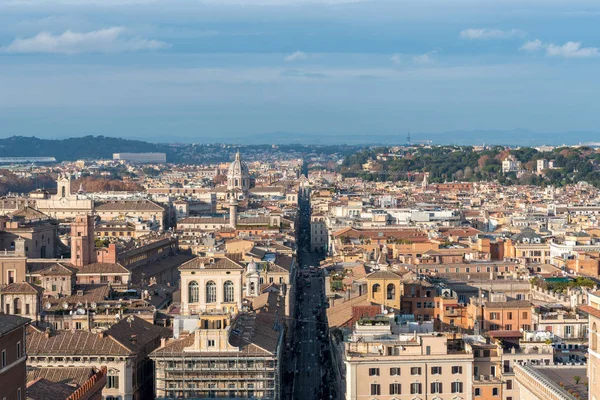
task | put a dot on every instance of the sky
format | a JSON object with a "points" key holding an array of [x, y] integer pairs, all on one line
{"points": [[205, 70]]}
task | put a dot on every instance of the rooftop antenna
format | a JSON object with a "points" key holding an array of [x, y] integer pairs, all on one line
{"points": [[408, 139]]}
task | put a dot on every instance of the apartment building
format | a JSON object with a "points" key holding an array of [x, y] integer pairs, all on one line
{"points": [[382, 364], [13, 375]]}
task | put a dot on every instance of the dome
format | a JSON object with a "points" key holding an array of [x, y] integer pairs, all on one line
{"points": [[238, 168], [238, 176], [252, 268]]}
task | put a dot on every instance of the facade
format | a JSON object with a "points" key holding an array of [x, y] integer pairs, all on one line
{"points": [[123, 349], [224, 357], [13, 373], [319, 238], [386, 366], [211, 283], [593, 371], [140, 210], [141, 158]]}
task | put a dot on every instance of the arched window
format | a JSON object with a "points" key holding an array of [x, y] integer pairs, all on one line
{"points": [[229, 292], [193, 292], [391, 291], [252, 288], [63, 191], [376, 288], [594, 337], [17, 306], [211, 292]]}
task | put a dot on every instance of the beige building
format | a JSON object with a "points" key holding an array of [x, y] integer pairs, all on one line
{"points": [[593, 372], [64, 205], [385, 365], [211, 284]]}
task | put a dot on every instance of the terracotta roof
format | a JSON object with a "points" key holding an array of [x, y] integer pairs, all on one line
{"points": [[129, 205], [44, 389], [340, 314], [127, 337], [103, 268], [11, 322], [21, 287], [508, 304], [205, 263], [590, 310], [75, 376], [505, 334], [384, 275]]}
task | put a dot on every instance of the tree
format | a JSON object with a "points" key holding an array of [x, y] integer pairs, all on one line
{"points": [[577, 378]]}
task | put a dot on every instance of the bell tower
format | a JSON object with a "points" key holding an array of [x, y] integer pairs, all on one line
{"points": [[83, 246], [63, 187]]}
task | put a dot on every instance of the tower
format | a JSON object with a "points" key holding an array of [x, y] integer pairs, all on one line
{"points": [[63, 187], [408, 139], [83, 247], [252, 280], [233, 205]]}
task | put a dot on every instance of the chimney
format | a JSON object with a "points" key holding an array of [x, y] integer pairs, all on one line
{"points": [[101, 334], [163, 342]]}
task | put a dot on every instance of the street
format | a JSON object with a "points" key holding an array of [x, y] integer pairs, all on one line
{"points": [[309, 361]]}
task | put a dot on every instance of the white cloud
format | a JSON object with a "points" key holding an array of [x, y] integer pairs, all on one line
{"points": [[532, 45], [572, 50], [567, 50], [396, 58], [484, 34], [109, 40], [296, 56], [426, 58]]}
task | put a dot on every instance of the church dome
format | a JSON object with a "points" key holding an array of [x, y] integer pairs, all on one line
{"points": [[238, 176], [238, 168], [252, 268]]}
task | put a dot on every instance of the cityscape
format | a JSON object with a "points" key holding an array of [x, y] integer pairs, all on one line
{"points": [[299, 200]]}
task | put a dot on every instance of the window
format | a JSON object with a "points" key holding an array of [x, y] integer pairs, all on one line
{"points": [[373, 371], [428, 350], [395, 371], [457, 370], [210, 343], [415, 388], [495, 392], [193, 292], [391, 291], [53, 287], [3, 358], [375, 389], [493, 370], [395, 388], [376, 288], [477, 392], [457, 387], [19, 394], [436, 387], [524, 314], [494, 315], [19, 349], [112, 381], [436, 370], [78, 325], [509, 315], [228, 290], [415, 371], [509, 384], [103, 278], [211, 292]]}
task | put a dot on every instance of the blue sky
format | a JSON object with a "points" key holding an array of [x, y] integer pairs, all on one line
{"points": [[196, 70]]}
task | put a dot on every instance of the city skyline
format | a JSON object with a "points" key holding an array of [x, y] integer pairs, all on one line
{"points": [[194, 71]]}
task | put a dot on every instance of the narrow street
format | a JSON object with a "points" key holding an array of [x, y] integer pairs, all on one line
{"points": [[310, 360]]}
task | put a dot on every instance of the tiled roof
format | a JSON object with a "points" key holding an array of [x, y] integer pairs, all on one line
{"points": [[10, 322], [508, 304], [384, 275], [70, 375], [21, 287], [590, 310], [205, 263], [129, 205], [103, 268], [44, 389]]}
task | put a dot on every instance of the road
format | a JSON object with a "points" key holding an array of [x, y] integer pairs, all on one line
{"points": [[309, 362]]}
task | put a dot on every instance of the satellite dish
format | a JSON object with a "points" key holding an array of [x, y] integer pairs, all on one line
{"points": [[93, 305], [65, 305], [48, 306], [385, 312]]}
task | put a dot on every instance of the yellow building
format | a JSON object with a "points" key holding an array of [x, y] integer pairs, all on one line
{"points": [[386, 288]]}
